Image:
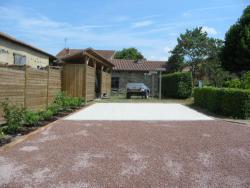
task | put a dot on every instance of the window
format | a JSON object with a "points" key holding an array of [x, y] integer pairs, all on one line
{"points": [[115, 83], [4, 55], [19, 59]]}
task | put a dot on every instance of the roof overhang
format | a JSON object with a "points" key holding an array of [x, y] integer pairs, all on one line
{"points": [[90, 53], [13, 40]]}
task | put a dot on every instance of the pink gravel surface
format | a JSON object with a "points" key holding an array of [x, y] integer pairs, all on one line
{"points": [[130, 154]]}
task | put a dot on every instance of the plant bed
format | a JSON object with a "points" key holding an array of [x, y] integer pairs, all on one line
{"points": [[5, 139], [20, 121]]}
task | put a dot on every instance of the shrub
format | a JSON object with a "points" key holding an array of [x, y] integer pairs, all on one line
{"points": [[67, 102], [224, 101], [14, 116], [245, 81], [31, 118], [45, 115], [54, 108], [177, 85], [235, 83], [1, 132]]}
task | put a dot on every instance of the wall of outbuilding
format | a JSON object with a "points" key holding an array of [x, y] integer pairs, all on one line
{"points": [[139, 77]]}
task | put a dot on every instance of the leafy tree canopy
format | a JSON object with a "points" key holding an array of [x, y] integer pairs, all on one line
{"points": [[193, 48], [175, 61], [129, 53], [235, 55]]}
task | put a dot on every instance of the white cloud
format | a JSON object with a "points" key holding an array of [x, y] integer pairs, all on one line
{"points": [[144, 23], [190, 12], [49, 34], [209, 30]]}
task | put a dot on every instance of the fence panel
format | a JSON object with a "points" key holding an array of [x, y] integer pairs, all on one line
{"points": [[30, 88], [90, 83], [74, 80], [55, 83], [36, 89], [106, 83]]}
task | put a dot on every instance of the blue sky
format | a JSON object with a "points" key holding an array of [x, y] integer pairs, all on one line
{"points": [[152, 26]]}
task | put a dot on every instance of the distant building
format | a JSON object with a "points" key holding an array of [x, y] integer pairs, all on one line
{"points": [[141, 71], [16, 52], [127, 71]]}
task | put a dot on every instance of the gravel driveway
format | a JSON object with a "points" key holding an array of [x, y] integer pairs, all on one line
{"points": [[79, 154]]}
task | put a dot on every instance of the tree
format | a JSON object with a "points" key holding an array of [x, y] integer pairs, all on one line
{"points": [[195, 47], [129, 53], [175, 61], [235, 55]]}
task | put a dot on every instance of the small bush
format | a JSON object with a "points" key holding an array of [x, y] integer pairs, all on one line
{"points": [[54, 108], [1, 132], [224, 101], [235, 83], [14, 116], [177, 85], [31, 118], [45, 115], [245, 81], [67, 102]]}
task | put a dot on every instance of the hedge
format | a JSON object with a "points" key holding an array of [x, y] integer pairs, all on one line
{"points": [[224, 101], [177, 85]]}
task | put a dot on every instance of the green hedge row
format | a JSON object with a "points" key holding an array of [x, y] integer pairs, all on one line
{"points": [[177, 85], [224, 101]]}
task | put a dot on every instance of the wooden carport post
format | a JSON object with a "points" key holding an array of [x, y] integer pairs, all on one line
{"points": [[85, 80], [102, 67]]}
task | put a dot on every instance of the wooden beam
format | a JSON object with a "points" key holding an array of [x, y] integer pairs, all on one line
{"points": [[85, 77], [101, 79], [97, 59]]}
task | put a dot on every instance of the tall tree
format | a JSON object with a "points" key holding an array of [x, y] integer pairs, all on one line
{"points": [[175, 61], [129, 53], [235, 55], [194, 46]]}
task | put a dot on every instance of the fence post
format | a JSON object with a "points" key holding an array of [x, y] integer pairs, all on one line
{"points": [[25, 87], [48, 86]]}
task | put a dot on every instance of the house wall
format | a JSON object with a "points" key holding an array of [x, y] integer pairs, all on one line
{"points": [[33, 58], [139, 77]]}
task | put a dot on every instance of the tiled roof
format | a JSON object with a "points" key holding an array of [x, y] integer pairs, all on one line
{"points": [[131, 65], [12, 39], [108, 54], [67, 51]]}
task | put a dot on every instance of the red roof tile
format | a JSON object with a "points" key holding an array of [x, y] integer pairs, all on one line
{"points": [[131, 65], [108, 54]]}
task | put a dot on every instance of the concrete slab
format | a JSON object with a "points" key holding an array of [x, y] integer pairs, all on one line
{"points": [[138, 112]]}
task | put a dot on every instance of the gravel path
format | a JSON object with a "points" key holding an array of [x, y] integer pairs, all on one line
{"points": [[130, 154]]}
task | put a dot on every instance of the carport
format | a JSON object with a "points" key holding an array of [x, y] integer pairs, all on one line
{"points": [[86, 74]]}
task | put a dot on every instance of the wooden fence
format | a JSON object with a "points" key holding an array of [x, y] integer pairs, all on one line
{"points": [[74, 80], [31, 88], [106, 83], [79, 80]]}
